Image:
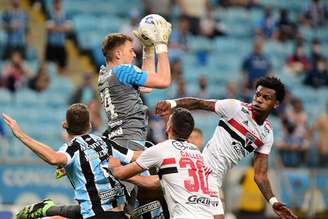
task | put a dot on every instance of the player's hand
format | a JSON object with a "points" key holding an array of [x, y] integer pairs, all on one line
{"points": [[143, 38], [163, 108], [12, 124], [113, 162], [282, 211], [159, 36], [163, 32]]}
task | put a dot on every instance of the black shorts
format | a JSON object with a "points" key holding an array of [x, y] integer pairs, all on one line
{"points": [[56, 54], [111, 215]]}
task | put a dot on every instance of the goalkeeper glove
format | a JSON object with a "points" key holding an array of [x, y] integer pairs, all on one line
{"points": [[159, 36], [148, 46]]}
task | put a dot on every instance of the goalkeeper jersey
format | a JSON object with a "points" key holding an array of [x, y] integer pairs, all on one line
{"points": [[126, 113]]}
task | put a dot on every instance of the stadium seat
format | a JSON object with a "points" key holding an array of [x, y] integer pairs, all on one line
{"points": [[6, 97], [6, 215], [294, 184]]}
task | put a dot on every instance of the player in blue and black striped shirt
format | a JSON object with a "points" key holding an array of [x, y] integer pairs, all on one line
{"points": [[85, 159]]}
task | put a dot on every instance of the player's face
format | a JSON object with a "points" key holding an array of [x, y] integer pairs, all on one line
{"points": [[197, 139], [264, 100], [128, 53]]}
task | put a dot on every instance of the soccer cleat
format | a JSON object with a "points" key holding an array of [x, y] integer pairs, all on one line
{"points": [[35, 211]]}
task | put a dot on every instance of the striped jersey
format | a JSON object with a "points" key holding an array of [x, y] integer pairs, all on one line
{"points": [[183, 177], [95, 188], [126, 113], [236, 136]]}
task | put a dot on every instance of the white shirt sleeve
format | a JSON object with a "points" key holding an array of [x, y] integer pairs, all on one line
{"points": [[227, 108], [68, 151], [151, 157], [267, 144]]}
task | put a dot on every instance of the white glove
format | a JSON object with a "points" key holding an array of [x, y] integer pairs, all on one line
{"points": [[143, 39], [148, 46], [159, 35]]}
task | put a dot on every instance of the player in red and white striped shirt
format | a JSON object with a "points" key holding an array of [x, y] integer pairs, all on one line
{"points": [[243, 128], [182, 173]]}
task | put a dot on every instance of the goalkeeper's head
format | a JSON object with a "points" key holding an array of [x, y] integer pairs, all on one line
{"points": [[117, 49]]}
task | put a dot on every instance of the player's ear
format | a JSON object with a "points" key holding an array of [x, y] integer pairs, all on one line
{"points": [[64, 124], [118, 53], [277, 103], [90, 126]]}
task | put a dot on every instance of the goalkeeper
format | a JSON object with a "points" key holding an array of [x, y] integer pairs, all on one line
{"points": [[120, 83]]}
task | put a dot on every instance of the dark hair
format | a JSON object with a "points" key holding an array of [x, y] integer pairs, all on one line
{"points": [[78, 119], [182, 123], [274, 84], [111, 42]]}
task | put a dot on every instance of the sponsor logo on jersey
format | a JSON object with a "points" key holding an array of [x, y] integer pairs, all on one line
{"points": [[196, 199], [111, 194], [181, 146], [114, 124], [147, 208], [115, 133], [238, 147]]}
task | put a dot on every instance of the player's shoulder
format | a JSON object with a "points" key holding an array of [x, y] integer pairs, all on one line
{"points": [[124, 67], [234, 103], [164, 143], [245, 107], [229, 101]]}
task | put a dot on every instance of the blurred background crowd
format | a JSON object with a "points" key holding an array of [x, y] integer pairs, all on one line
{"points": [[51, 51]]}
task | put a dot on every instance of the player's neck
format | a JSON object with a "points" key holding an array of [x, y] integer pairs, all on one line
{"points": [[113, 64], [71, 136], [173, 137], [259, 119]]}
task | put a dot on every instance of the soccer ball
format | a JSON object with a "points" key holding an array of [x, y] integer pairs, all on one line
{"points": [[148, 22]]}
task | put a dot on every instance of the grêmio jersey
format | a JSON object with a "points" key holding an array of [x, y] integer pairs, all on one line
{"points": [[183, 177], [95, 189], [236, 136]]}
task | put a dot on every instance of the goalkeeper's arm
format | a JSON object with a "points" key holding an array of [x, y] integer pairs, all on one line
{"points": [[161, 78]]}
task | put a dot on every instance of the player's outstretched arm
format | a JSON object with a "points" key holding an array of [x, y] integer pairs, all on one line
{"points": [[163, 108], [262, 181], [45, 152], [149, 182], [123, 172]]}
